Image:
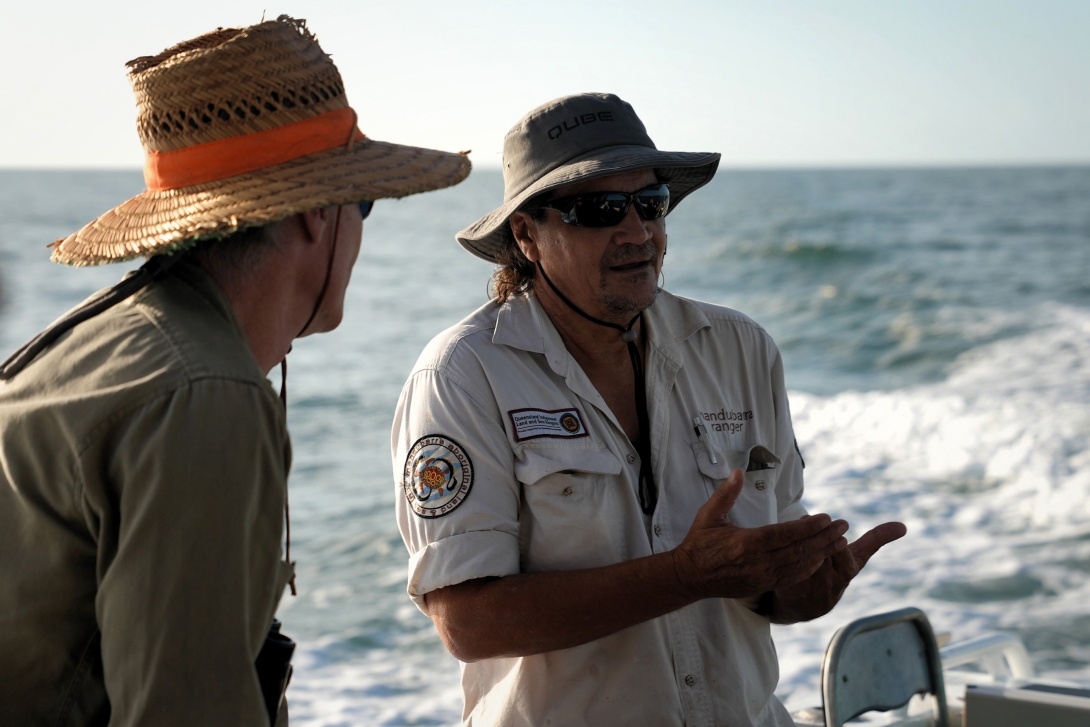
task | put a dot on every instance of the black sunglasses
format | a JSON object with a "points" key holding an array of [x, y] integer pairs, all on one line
{"points": [[606, 209], [365, 207]]}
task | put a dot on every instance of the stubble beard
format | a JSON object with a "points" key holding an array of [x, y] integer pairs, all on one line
{"points": [[628, 305]]}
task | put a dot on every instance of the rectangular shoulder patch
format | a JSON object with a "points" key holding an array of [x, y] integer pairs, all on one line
{"points": [[538, 423]]}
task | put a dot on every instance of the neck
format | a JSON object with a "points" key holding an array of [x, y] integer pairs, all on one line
{"points": [[269, 320], [599, 354], [589, 338]]}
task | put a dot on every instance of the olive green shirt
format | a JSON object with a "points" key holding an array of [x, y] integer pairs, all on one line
{"points": [[143, 470]]}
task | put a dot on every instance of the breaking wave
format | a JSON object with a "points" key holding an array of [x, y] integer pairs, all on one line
{"points": [[990, 470]]}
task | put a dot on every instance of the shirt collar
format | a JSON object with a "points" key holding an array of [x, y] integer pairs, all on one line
{"points": [[522, 323], [671, 320], [192, 274]]}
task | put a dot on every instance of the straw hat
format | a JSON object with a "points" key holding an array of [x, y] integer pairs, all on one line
{"points": [[243, 127], [574, 138]]}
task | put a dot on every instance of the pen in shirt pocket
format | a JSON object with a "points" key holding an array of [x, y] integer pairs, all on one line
{"points": [[702, 436]]}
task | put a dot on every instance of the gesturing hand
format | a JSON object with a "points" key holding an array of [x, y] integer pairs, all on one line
{"points": [[720, 559], [817, 595]]}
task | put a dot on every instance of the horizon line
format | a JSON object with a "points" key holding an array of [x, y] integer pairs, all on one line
{"points": [[755, 167]]}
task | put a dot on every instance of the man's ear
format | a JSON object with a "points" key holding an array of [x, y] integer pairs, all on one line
{"points": [[525, 230], [315, 222]]}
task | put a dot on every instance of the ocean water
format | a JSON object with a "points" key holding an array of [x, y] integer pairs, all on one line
{"points": [[935, 326]]}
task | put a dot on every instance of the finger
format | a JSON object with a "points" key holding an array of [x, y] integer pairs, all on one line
{"points": [[844, 563], [796, 569], [844, 567], [812, 569], [835, 548], [782, 535], [715, 510], [875, 538], [801, 554], [784, 542]]}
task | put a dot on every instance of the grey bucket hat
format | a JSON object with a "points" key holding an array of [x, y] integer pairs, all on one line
{"points": [[575, 138]]}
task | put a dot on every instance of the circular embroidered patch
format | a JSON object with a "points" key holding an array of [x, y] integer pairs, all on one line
{"points": [[569, 422], [437, 476]]}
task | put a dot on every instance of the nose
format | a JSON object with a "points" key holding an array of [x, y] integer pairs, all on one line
{"points": [[633, 229]]}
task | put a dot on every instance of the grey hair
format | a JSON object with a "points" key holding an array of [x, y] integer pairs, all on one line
{"points": [[239, 253]]}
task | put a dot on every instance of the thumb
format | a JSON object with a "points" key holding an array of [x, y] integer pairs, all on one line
{"points": [[869, 543], [714, 511]]}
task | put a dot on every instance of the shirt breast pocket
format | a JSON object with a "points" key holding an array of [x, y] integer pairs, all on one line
{"points": [[756, 503], [572, 508]]}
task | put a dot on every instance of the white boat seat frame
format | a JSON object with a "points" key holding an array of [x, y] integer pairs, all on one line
{"points": [[879, 663]]}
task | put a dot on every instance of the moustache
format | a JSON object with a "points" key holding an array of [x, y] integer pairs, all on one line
{"points": [[628, 254]]}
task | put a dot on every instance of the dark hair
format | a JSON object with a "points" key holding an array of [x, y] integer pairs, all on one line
{"points": [[515, 274]]}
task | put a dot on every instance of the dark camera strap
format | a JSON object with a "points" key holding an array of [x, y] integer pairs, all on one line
{"points": [[150, 271]]}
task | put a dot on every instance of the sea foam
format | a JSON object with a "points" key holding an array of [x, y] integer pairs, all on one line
{"points": [[990, 470]]}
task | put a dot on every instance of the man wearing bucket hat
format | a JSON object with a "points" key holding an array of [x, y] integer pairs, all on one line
{"points": [[601, 497], [143, 453]]}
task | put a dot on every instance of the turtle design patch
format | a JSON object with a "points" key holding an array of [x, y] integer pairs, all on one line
{"points": [[438, 476]]}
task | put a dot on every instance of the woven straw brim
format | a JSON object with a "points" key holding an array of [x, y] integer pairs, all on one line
{"points": [[158, 222], [684, 171]]}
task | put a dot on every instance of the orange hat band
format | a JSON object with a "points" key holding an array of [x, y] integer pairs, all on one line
{"points": [[215, 160]]}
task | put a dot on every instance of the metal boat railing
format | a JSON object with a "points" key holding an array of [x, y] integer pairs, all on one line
{"points": [[998, 654]]}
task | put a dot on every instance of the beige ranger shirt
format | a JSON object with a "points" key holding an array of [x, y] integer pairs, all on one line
{"points": [[143, 464], [507, 460]]}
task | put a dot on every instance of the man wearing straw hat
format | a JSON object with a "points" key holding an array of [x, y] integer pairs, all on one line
{"points": [[143, 453], [598, 482]]}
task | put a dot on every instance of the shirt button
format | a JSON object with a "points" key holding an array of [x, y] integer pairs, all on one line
{"points": [[568, 490], [658, 530], [690, 680], [760, 484], [631, 458]]}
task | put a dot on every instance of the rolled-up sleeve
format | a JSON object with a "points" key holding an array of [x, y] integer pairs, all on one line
{"points": [[474, 532], [189, 588]]}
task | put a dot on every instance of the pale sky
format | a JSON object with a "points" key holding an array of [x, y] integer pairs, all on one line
{"points": [[765, 82]]}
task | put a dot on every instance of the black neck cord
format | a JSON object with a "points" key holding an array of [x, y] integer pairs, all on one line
{"points": [[648, 491], [328, 274], [284, 386], [313, 312]]}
